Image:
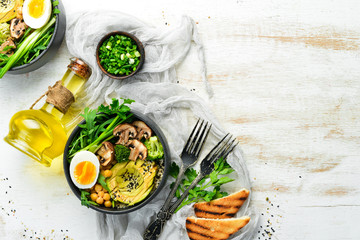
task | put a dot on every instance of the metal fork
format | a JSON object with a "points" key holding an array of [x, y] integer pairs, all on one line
{"points": [[189, 158], [221, 150]]}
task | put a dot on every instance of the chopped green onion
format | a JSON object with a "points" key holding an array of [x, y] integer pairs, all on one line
{"points": [[119, 55]]}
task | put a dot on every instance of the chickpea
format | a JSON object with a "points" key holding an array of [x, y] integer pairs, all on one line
{"points": [[102, 172], [107, 204], [100, 200], [98, 188], [93, 196], [106, 197], [107, 173], [101, 194]]}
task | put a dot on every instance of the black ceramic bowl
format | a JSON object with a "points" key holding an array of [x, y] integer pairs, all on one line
{"points": [[54, 44], [140, 48], [157, 131]]}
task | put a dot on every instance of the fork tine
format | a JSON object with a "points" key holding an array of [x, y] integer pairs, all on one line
{"points": [[225, 151], [230, 150], [195, 137], [198, 137], [191, 135], [221, 150], [201, 140], [215, 148]]}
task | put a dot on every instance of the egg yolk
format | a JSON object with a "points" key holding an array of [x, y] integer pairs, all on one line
{"points": [[36, 8], [85, 172]]}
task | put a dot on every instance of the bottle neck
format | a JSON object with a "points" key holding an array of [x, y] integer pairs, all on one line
{"points": [[73, 83]]}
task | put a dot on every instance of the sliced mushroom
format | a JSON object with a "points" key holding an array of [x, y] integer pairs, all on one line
{"points": [[106, 153], [17, 28], [142, 130], [138, 150], [9, 51], [125, 132]]}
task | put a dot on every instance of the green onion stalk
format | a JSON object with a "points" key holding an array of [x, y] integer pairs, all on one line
{"points": [[26, 46], [105, 136]]}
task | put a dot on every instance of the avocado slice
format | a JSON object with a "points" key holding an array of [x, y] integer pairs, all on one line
{"points": [[131, 182]]}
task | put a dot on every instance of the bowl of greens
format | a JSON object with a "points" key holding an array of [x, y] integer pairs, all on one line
{"points": [[120, 55], [117, 159], [31, 35]]}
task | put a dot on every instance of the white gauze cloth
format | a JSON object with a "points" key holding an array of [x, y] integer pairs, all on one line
{"points": [[155, 93]]}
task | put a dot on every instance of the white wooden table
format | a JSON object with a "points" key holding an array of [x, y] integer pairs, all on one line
{"points": [[286, 77]]}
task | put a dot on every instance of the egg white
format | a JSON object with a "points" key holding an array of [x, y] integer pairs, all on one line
{"points": [[82, 157], [37, 22]]}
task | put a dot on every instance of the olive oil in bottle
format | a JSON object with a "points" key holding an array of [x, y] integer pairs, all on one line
{"points": [[42, 133]]}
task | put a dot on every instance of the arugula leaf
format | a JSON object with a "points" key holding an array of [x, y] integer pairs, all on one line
{"points": [[101, 180], [4, 57], [99, 127], [85, 199], [7, 48], [89, 116], [37, 47]]}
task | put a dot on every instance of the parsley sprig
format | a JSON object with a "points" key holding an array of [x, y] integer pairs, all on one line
{"points": [[99, 125], [84, 197], [208, 188]]}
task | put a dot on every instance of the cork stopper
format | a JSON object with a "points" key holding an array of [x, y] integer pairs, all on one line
{"points": [[79, 67], [60, 97]]}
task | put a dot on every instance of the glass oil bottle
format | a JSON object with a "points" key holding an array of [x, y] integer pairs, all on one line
{"points": [[42, 133]]}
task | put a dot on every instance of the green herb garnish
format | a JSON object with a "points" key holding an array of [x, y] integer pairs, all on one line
{"points": [[37, 48], [85, 199], [99, 127], [101, 180], [122, 153], [119, 55], [208, 188]]}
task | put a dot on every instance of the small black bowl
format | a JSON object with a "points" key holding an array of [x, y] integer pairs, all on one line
{"points": [[167, 159], [54, 44], [140, 49]]}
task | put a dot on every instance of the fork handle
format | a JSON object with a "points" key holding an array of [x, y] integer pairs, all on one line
{"points": [[184, 195], [171, 195], [154, 229]]}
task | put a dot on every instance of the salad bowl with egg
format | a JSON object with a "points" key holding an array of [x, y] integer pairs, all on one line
{"points": [[31, 31], [123, 166]]}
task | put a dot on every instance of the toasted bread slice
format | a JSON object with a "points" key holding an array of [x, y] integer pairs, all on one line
{"points": [[214, 229], [221, 208]]}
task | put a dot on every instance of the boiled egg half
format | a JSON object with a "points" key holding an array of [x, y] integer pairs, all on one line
{"points": [[84, 169], [36, 13]]}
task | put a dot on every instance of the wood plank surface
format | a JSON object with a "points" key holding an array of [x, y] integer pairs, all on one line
{"points": [[286, 79]]}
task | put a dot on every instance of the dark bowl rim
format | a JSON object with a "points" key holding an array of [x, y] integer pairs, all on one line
{"points": [[167, 161], [57, 22], [140, 48]]}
